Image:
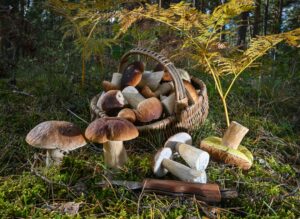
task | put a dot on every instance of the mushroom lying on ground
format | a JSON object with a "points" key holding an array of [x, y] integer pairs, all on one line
{"points": [[132, 74], [111, 132], [57, 137], [228, 149], [162, 164], [194, 157], [146, 110]]}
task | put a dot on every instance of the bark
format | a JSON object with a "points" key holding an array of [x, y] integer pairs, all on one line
{"points": [[242, 30], [257, 18], [266, 17]]}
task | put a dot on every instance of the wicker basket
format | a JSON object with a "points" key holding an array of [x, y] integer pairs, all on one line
{"points": [[186, 118]]}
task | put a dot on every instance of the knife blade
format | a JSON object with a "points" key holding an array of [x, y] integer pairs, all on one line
{"points": [[206, 192]]}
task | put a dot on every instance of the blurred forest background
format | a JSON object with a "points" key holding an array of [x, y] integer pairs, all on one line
{"points": [[54, 55]]}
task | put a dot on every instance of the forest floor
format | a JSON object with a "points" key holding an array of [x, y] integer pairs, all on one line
{"points": [[267, 105]]}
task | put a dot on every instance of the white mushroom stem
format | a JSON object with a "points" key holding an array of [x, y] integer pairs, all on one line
{"points": [[151, 79], [116, 79], [183, 172], [54, 156], [115, 155], [194, 157], [132, 96], [169, 103], [164, 88], [234, 135]]}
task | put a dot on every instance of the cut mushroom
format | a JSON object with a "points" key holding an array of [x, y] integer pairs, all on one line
{"points": [[147, 92], [191, 93], [111, 101], [146, 110], [57, 137], [234, 135], [163, 163], [169, 103], [167, 76], [127, 114], [151, 79], [240, 156], [115, 83], [132, 96], [112, 132], [194, 157], [132, 74]]}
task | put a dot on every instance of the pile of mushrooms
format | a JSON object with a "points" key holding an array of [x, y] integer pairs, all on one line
{"points": [[180, 145], [142, 96]]}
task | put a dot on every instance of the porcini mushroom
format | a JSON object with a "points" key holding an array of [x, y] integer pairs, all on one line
{"points": [[162, 163], [128, 114], [57, 137], [132, 74], [169, 103], [146, 110], [228, 149], [115, 83], [166, 76], [111, 132], [111, 101], [191, 92], [151, 79], [182, 144]]}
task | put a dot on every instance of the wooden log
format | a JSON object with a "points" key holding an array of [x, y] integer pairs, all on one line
{"points": [[234, 135]]}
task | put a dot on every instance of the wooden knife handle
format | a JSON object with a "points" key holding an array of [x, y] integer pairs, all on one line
{"points": [[205, 192]]}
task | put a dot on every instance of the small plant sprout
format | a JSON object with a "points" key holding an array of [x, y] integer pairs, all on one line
{"points": [[228, 149], [111, 132], [57, 137], [182, 144], [162, 164]]}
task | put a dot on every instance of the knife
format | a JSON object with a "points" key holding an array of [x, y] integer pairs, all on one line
{"points": [[207, 192]]}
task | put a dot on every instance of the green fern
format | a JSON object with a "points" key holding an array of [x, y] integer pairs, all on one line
{"points": [[202, 34]]}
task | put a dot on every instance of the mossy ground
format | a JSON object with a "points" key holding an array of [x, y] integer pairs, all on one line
{"points": [[270, 189]]}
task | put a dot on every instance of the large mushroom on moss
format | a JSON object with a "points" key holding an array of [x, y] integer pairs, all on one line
{"points": [[111, 132], [228, 149], [57, 137]]}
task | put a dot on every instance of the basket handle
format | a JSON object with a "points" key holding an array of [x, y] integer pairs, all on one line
{"points": [[181, 98]]}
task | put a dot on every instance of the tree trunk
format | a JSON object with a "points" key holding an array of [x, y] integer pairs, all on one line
{"points": [[277, 28], [257, 17], [242, 30], [266, 17]]}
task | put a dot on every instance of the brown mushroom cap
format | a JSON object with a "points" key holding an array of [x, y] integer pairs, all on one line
{"points": [[147, 92], [241, 157], [148, 110], [127, 114], [109, 86], [110, 129], [56, 135], [191, 91], [167, 76], [132, 74], [112, 100]]}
